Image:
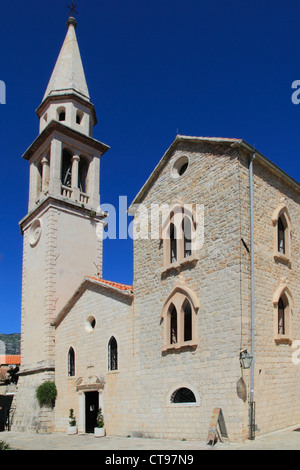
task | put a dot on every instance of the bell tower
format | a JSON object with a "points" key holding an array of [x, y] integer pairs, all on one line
{"points": [[60, 242]]}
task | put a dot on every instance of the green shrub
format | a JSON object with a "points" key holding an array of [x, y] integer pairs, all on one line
{"points": [[72, 419], [100, 420], [46, 393], [4, 446]]}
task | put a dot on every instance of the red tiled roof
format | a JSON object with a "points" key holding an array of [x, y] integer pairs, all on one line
{"points": [[113, 284], [10, 360]]}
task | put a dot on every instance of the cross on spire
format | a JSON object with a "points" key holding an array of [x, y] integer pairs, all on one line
{"points": [[72, 9]]}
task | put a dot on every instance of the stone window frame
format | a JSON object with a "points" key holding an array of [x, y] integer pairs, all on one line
{"points": [[282, 213], [90, 324], [171, 392], [175, 218], [177, 299], [180, 167], [283, 293]]}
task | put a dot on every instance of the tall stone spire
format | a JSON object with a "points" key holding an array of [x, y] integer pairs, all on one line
{"points": [[61, 243], [68, 75], [67, 97]]}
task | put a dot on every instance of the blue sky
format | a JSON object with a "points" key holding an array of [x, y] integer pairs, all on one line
{"points": [[154, 68]]}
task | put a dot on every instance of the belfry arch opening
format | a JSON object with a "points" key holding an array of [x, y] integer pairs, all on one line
{"points": [[83, 174], [61, 114], [66, 172]]}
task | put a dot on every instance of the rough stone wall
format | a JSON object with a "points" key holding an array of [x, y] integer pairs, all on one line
{"points": [[277, 378], [212, 369], [29, 416]]}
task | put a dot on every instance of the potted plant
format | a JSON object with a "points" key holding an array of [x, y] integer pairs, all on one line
{"points": [[99, 430], [72, 428]]}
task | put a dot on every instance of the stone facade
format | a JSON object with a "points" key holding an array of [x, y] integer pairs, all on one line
{"points": [[112, 310], [218, 178], [137, 399], [159, 356]]}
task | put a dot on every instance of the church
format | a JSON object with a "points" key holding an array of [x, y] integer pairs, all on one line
{"points": [[213, 315]]}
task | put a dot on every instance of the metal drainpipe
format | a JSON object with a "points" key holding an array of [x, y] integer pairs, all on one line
{"points": [[252, 403]]}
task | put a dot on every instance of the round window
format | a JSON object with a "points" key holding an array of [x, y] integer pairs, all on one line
{"points": [[180, 167], [35, 232], [90, 324]]}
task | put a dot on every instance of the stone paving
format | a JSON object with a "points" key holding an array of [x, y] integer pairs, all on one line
{"points": [[288, 439]]}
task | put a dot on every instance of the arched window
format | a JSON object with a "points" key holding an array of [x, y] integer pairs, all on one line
{"points": [[66, 171], [179, 316], [112, 354], [283, 305], [179, 237], [173, 325], [61, 113], [71, 363], [281, 316], [187, 309], [187, 236], [173, 244], [79, 117], [183, 395], [281, 235]]}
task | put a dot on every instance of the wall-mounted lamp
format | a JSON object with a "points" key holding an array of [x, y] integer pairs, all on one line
{"points": [[245, 359]]}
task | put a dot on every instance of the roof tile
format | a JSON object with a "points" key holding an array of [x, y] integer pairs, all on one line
{"points": [[113, 284]]}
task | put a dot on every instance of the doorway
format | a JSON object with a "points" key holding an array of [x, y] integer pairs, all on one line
{"points": [[91, 410], [5, 404]]}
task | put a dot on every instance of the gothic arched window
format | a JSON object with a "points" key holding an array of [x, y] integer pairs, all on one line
{"points": [[71, 363], [282, 304], [179, 316], [173, 325], [281, 235], [188, 321], [187, 236], [179, 237], [173, 244], [112, 354]]}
